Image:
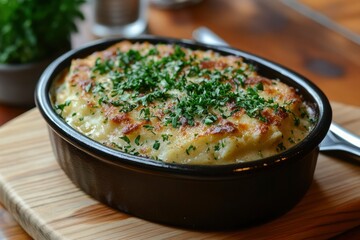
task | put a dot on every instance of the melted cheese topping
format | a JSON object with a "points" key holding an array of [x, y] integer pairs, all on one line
{"points": [[178, 105]]}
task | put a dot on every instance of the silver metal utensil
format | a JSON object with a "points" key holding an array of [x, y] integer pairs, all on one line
{"points": [[338, 140]]}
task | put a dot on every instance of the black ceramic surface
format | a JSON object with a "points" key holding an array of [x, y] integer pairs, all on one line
{"points": [[194, 196]]}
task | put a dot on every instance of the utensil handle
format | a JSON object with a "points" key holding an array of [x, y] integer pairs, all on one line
{"points": [[345, 135], [206, 36], [345, 140]]}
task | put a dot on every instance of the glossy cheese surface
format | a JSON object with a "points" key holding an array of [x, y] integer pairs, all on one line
{"points": [[178, 105]]}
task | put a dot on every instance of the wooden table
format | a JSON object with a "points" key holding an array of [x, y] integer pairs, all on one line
{"points": [[318, 40]]}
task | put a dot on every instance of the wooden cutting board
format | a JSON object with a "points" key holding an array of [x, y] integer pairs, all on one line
{"points": [[48, 206]]}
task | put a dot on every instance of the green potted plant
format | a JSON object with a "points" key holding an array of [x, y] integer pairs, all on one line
{"points": [[32, 34]]}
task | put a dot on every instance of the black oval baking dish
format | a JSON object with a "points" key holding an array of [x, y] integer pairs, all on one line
{"points": [[191, 196]]}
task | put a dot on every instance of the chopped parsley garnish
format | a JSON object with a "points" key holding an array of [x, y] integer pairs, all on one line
{"points": [[166, 137], [60, 107], [156, 145], [198, 94], [102, 66], [168, 89], [218, 146], [190, 148], [280, 147], [137, 140], [126, 139], [148, 127]]}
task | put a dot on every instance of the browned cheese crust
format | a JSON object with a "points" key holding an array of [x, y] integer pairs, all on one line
{"points": [[179, 105]]}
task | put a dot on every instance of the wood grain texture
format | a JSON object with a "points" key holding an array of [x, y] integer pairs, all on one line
{"points": [[48, 206]]}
